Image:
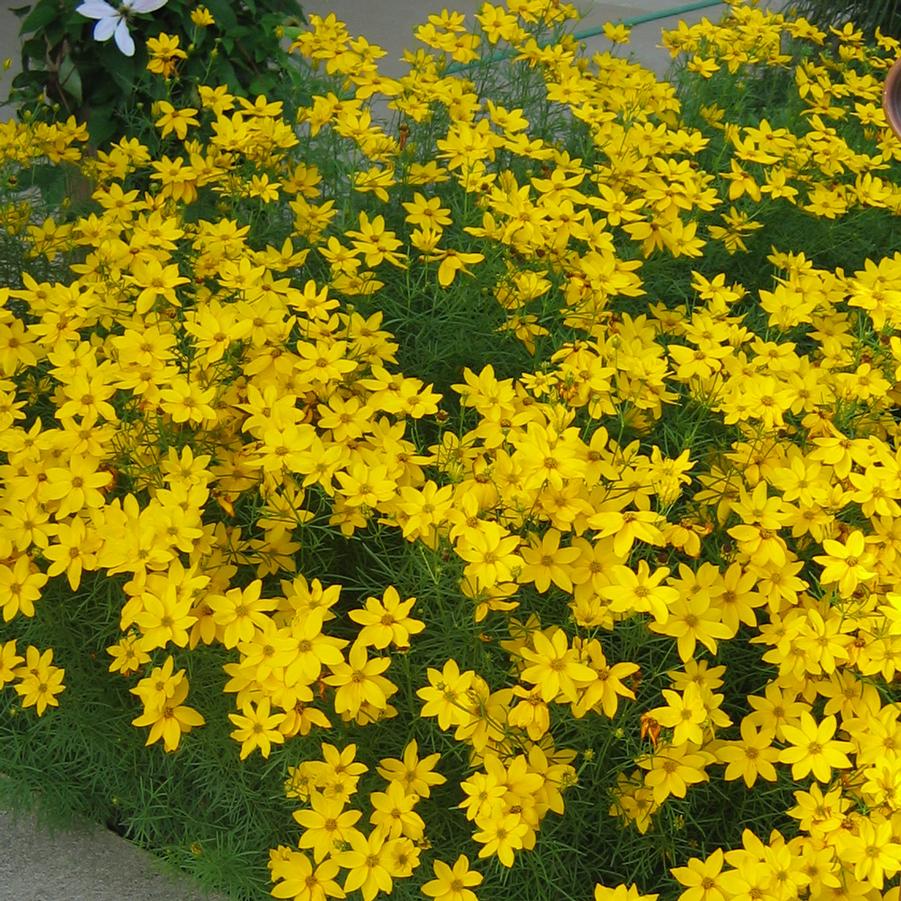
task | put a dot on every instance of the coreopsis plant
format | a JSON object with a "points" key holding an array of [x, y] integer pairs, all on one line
{"points": [[514, 483]]}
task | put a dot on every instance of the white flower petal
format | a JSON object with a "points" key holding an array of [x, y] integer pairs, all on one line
{"points": [[123, 39], [146, 6], [96, 9], [104, 29]]}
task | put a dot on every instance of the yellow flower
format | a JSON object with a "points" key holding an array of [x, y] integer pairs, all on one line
{"points": [[297, 879], [165, 618], [375, 242], [498, 23], [694, 618], [178, 179], [704, 66], [453, 883], [819, 814], [260, 186], [426, 212], [531, 713], [452, 262], [202, 17], [502, 836], [603, 693], [186, 401], [77, 485], [366, 486], [778, 708], [416, 775], [240, 612], [490, 552], [872, 850], [359, 680], [847, 564], [621, 893], [367, 863], [750, 758], [74, 550], [485, 794], [9, 662], [546, 562], [392, 812], [702, 878], [555, 667], [271, 649], [217, 100], [387, 621], [616, 32], [446, 695], [626, 527], [672, 768], [327, 827], [87, 396], [173, 120], [685, 714], [313, 649], [164, 53], [640, 591], [167, 716], [20, 586], [155, 281], [424, 508], [39, 681], [813, 749], [128, 657], [257, 728]]}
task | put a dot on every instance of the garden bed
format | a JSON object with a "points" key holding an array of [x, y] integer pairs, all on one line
{"points": [[499, 500]]}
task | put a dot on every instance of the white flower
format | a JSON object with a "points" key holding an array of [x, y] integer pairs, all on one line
{"points": [[113, 23]]}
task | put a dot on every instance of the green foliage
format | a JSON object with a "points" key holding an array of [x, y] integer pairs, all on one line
{"points": [[865, 14], [65, 72], [588, 371]]}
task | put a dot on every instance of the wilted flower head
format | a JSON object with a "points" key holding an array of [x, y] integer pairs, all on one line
{"points": [[113, 23]]}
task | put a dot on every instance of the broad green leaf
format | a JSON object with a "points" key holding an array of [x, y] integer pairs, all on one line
{"points": [[223, 13], [100, 125], [40, 17], [70, 79]]}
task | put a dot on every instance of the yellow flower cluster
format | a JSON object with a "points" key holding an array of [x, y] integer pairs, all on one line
{"points": [[208, 396], [390, 851], [33, 677]]}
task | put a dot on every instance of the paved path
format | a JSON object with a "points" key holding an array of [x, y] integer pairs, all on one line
{"points": [[83, 864], [390, 24]]}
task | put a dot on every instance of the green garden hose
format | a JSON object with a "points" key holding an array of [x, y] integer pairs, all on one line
{"points": [[594, 32]]}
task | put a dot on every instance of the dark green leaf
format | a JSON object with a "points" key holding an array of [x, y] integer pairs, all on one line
{"points": [[70, 79], [41, 16], [223, 13], [122, 69], [33, 48], [30, 79], [226, 73], [262, 84], [100, 125], [51, 181]]}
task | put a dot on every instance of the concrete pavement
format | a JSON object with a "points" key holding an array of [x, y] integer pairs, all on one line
{"points": [[86, 863], [390, 24]]}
